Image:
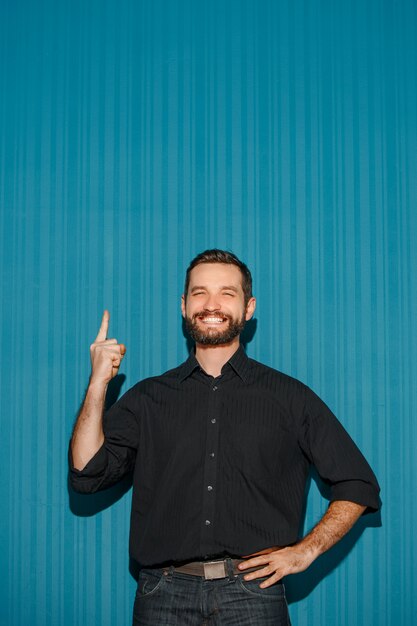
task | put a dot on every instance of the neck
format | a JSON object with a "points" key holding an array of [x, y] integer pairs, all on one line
{"points": [[212, 358]]}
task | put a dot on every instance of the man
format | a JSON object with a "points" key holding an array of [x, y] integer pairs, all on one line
{"points": [[220, 448]]}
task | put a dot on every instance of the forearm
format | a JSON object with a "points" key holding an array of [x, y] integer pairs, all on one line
{"points": [[335, 523], [88, 436]]}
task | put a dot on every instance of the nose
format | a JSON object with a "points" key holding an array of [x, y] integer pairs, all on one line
{"points": [[211, 303]]}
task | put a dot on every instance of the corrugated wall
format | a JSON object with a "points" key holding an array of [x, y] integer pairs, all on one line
{"points": [[134, 134]]}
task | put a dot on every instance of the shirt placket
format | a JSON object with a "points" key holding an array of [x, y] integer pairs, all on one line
{"points": [[210, 469]]}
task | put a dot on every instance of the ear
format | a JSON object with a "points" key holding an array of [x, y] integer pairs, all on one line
{"points": [[183, 305], [250, 308]]}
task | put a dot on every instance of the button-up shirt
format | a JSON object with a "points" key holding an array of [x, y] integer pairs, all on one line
{"points": [[220, 464]]}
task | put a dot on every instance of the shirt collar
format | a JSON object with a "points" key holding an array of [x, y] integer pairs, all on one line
{"points": [[239, 362]]}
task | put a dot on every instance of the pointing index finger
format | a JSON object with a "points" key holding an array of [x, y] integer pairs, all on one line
{"points": [[102, 333]]}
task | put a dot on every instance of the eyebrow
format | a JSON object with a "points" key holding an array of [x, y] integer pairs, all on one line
{"points": [[228, 287]]}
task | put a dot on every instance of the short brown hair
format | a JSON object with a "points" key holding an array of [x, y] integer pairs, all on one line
{"points": [[221, 256]]}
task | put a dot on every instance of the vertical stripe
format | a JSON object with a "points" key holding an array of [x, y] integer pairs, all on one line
{"points": [[134, 135]]}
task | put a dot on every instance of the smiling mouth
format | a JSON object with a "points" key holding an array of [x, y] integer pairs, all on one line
{"points": [[212, 320]]}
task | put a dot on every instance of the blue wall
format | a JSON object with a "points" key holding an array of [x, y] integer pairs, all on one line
{"points": [[134, 134]]}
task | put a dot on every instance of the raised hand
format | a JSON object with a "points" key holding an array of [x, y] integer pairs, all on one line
{"points": [[106, 354]]}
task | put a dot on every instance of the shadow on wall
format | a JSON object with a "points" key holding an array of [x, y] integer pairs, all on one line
{"points": [[299, 586]]}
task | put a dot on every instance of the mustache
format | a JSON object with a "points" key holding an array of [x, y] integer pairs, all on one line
{"points": [[203, 314]]}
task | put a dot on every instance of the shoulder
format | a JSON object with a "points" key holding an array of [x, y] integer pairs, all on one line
{"points": [[270, 377], [151, 389], [169, 378]]}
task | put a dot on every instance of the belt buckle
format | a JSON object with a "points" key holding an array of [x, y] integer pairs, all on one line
{"points": [[214, 569]]}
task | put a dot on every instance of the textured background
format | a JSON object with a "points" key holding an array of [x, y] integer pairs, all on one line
{"points": [[134, 134]]}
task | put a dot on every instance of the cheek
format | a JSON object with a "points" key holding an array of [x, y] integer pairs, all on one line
{"points": [[188, 311]]}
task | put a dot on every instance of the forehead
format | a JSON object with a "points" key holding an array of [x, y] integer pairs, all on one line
{"points": [[216, 275]]}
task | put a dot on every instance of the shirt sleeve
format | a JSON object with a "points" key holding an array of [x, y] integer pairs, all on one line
{"points": [[117, 455], [336, 457]]}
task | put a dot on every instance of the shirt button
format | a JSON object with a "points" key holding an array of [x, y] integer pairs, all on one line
{"points": [[213, 421], [208, 522], [215, 388], [209, 488]]}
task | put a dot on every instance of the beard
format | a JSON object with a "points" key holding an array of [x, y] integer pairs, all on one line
{"points": [[212, 336]]}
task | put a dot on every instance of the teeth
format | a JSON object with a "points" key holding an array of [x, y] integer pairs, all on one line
{"points": [[214, 320]]}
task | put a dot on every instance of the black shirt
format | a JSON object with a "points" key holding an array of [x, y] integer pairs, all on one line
{"points": [[220, 464]]}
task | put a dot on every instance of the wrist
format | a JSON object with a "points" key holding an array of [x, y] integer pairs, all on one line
{"points": [[309, 549], [97, 386]]}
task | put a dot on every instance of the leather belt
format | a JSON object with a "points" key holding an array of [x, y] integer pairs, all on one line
{"points": [[211, 570]]}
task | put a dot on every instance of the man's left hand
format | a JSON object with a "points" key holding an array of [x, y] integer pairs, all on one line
{"points": [[277, 564]]}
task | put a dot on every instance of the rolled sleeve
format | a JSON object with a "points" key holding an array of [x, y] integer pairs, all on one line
{"points": [[338, 460], [357, 491], [89, 479], [117, 455]]}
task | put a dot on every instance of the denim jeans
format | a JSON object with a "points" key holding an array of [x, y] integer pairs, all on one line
{"points": [[168, 598]]}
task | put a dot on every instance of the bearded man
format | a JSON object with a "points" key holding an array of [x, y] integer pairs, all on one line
{"points": [[220, 449]]}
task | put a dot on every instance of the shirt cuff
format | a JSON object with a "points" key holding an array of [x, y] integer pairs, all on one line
{"points": [[357, 491], [87, 479]]}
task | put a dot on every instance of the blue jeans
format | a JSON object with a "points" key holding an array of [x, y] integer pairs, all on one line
{"points": [[168, 598]]}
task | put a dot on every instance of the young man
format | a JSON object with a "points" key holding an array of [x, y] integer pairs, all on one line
{"points": [[220, 448]]}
